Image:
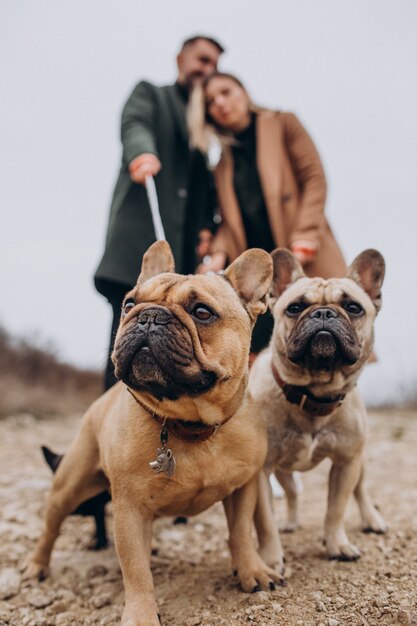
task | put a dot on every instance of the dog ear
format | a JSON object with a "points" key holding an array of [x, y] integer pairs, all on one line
{"points": [[250, 276], [287, 270], [157, 259], [51, 458], [368, 271]]}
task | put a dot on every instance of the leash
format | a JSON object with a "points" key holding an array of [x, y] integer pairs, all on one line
{"points": [[154, 205]]}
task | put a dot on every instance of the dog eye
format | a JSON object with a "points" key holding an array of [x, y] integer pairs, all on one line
{"points": [[353, 308], [295, 308], [202, 313], [128, 305]]}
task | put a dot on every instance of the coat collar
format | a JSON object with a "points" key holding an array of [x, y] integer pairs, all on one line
{"points": [[269, 160], [178, 107]]}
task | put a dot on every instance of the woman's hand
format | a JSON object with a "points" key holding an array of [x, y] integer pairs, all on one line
{"points": [[303, 251], [212, 263], [205, 238]]}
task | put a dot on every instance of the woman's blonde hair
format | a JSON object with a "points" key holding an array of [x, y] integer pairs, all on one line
{"points": [[203, 132]]}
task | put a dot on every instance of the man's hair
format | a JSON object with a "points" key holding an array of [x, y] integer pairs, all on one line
{"points": [[191, 40]]}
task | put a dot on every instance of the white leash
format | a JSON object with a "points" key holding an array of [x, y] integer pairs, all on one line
{"points": [[154, 204]]}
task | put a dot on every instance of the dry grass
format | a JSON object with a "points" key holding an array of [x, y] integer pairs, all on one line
{"points": [[33, 380]]}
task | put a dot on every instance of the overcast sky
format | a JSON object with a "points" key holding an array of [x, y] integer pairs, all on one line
{"points": [[346, 68]]}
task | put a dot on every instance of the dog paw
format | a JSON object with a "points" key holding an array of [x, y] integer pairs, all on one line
{"points": [[273, 559], [34, 571], [378, 531], [375, 524], [258, 576], [345, 552], [140, 617], [290, 527], [97, 544]]}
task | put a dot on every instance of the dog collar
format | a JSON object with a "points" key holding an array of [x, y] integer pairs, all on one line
{"points": [[191, 432], [304, 399]]}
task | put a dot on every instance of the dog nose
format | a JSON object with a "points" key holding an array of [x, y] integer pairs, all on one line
{"points": [[323, 313], [155, 315]]}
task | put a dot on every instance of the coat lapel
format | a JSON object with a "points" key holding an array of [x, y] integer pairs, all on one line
{"points": [[230, 209], [178, 108], [269, 143]]}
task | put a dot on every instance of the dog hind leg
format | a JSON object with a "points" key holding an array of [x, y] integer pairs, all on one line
{"points": [[372, 520], [77, 479]]}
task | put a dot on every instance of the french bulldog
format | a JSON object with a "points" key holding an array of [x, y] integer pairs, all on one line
{"points": [[176, 433], [304, 384]]}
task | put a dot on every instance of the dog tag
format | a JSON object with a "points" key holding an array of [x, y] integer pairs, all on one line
{"points": [[164, 462]]}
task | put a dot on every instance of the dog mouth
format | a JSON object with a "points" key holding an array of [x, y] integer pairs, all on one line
{"points": [[323, 342], [155, 354]]}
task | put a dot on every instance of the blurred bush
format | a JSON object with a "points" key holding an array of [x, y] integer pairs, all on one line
{"points": [[33, 380]]}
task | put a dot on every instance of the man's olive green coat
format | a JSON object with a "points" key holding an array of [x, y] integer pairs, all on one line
{"points": [[153, 121]]}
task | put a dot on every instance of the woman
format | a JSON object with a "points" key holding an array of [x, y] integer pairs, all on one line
{"points": [[270, 183]]}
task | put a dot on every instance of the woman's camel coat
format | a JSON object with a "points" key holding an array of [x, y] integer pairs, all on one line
{"points": [[294, 190]]}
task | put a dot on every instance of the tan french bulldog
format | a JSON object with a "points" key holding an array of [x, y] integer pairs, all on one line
{"points": [[176, 434], [304, 384]]}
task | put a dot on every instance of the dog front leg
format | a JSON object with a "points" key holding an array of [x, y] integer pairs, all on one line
{"points": [[342, 481], [254, 574], [270, 548], [132, 535]]}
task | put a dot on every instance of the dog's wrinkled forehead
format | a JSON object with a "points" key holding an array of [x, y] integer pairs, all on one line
{"points": [[325, 292], [185, 291], [158, 288]]}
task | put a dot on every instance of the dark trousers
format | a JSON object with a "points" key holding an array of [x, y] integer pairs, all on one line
{"points": [[115, 295], [262, 332]]}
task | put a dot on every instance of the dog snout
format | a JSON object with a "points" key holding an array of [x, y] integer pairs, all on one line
{"points": [[324, 313], [156, 315]]}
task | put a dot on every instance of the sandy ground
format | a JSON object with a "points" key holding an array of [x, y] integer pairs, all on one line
{"points": [[191, 569]]}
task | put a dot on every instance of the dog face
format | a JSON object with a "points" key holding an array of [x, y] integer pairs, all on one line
{"points": [[325, 326], [189, 335]]}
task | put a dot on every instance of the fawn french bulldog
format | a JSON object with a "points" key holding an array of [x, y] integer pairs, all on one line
{"points": [[176, 434], [304, 385]]}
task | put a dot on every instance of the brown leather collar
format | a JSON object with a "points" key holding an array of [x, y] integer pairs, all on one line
{"points": [[191, 432], [304, 399]]}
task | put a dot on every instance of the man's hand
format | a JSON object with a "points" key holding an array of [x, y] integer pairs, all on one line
{"points": [[143, 166]]}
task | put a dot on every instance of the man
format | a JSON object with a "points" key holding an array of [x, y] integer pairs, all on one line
{"points": [[155, 143]]}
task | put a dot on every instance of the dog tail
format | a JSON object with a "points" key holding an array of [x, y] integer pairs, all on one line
{"points": [[51, 458]]}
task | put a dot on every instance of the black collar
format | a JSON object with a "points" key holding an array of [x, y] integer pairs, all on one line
{"points": [[304, 399]]}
